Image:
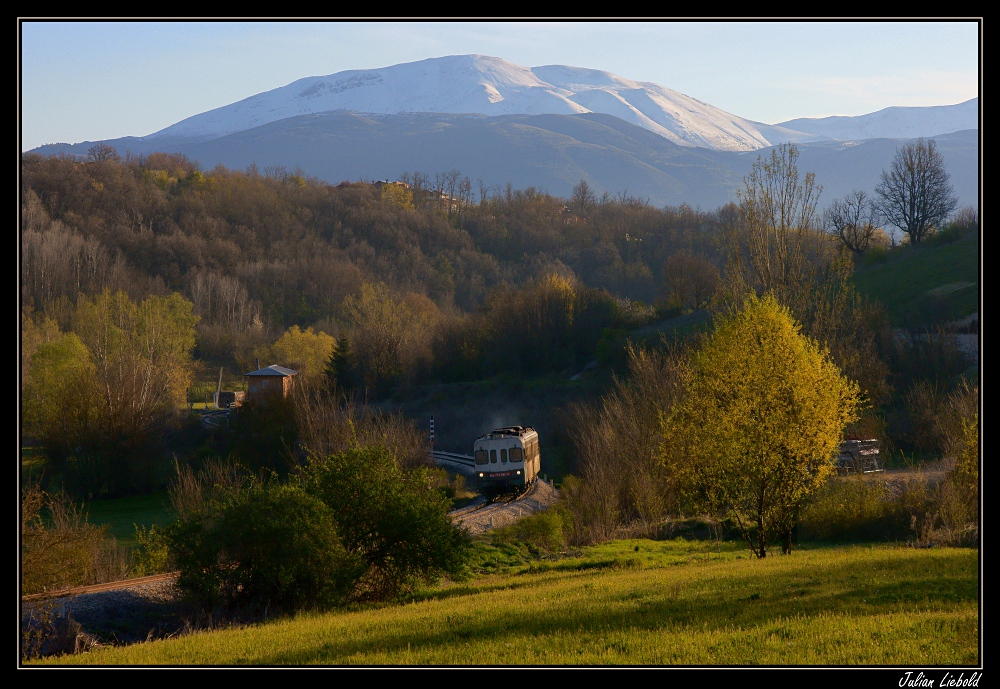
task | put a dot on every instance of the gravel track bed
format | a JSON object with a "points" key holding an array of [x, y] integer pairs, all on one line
{"points": [[119, 616], [539, 497]]}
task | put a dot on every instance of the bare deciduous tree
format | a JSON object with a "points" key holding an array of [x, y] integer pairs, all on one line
{"points": [[854, 220], [915, 193], [583, 196], [616, 444], [779, 210], [327, 425], [101, 152], [691, 279]]}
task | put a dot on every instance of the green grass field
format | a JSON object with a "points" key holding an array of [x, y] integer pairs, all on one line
{"points": [[933, 283], [636, 602], [32, 464], [122, 514]]}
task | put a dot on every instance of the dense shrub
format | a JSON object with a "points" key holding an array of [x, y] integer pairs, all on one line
{"points": [[395, 521], [152, 556], [268, 547], [351, 526], [959, 495], [915, 509]]}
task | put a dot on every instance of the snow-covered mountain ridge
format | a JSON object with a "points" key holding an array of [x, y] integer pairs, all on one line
{"points": [[893, 123], [483, 85]]}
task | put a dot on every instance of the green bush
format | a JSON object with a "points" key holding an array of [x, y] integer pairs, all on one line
{"points": [[396, 522], [153, 553], [266, 547], [545, 531], [875, 256]]}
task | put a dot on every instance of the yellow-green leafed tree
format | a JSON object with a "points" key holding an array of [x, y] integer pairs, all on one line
{"points": [[305, 351], [762, 416], [389, 332], [142, 352], [100, 398], [33, 335], [59, 393], [397, 195]]}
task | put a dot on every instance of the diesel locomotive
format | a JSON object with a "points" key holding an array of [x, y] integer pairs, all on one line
{"points": [[507, 460]]}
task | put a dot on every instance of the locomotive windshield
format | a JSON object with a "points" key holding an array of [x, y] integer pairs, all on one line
{"points": [[515, 454], [481, 457]]}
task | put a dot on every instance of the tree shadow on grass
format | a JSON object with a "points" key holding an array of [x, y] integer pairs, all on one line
{"points": [[718, 600]]}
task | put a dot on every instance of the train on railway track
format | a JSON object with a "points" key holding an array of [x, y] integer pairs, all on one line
{"points": [[507, 460]]}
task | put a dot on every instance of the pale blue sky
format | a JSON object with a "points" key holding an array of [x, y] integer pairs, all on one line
{"points": [[86, 81]]}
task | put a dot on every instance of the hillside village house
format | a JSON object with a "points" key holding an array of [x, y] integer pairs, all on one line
{"points": [[270, 380]]}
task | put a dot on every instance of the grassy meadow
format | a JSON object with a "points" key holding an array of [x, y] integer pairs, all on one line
{"points": [[635, 602], [121, 515], [934, 282]]}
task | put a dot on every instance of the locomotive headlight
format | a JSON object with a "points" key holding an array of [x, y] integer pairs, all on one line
{"points": [[518, 472], [480, 474]]}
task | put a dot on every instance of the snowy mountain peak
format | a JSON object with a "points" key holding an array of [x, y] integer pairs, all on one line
{"points": [[483, 85], [480, 84]]}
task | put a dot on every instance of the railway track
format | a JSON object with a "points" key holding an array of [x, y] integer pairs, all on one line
{"points": [[215, 419], [98, 588], [483, 503], [454, 459]]}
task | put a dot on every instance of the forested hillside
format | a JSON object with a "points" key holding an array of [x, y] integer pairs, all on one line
{"points": [[257, 252], [371, 290]]}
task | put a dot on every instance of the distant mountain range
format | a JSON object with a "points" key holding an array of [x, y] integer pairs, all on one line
{"points": [[547, 127], [891, 123]]}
